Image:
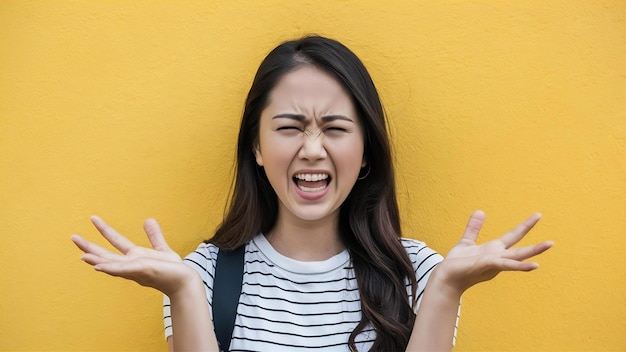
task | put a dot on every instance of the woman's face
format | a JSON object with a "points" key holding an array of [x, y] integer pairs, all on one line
{"points": [[310, 144]]}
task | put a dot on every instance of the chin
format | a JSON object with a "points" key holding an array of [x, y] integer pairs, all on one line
{"points": [[312, 214]]}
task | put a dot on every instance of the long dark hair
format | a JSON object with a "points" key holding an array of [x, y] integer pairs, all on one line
{"points": [[369, 223]]}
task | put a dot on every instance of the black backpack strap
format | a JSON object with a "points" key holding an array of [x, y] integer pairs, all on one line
{"points": [[226, 291]]}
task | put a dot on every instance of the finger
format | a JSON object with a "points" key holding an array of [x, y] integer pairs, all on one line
{"points": [[515, 235], [121, 269], [155, 235], [474, 224], [118, 241], [93, 259], [131, 270], [524, 253], [89, 247], [516, 265]]}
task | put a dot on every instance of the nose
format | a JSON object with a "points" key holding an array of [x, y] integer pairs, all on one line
{"points": [[312, 146]]}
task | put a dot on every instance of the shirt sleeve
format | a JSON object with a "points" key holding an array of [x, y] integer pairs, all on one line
{"points": [[424, 261], [201, 260]]}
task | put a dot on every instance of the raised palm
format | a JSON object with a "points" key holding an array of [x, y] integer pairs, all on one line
{"points": [[159, 267], [469, 263]]}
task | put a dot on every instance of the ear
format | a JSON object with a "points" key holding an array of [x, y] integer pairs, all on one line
{"points": [[364, 162], [257, 155]]}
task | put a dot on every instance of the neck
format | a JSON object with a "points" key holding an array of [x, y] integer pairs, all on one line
{"points": [[306, 240]]}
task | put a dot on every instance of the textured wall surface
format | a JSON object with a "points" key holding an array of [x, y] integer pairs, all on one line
{"points": [[130, 110]]}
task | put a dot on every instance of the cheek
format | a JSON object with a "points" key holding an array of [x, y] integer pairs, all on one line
{"points": [[269, 145], [349, 157], [276, 156]]}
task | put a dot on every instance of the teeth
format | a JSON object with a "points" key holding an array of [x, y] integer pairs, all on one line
{"points": [[311, 177], [309, 189]]}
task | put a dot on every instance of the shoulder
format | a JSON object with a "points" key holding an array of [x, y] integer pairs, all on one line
{"points": [[423, 258], [202, 260], [203, 253], [416, 248]]}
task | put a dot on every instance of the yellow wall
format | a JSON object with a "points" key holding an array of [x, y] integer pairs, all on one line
{"points": [[130, 110]]}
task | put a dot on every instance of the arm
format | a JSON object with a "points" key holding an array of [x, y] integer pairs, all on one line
{"points": [[192, 324], [162, 269], [436, 317], [466, 265]]}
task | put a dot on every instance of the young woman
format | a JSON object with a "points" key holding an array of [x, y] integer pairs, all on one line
{"points": [[314, 204]]}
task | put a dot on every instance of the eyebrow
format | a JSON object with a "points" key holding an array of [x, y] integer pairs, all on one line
{"points": [[301, 118]]}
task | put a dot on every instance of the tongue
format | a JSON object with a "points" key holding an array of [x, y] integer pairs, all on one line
{"points": [[311, 184]]}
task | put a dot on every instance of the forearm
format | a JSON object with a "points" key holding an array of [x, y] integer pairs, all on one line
{"points": [[436, 317], [191, 321]]}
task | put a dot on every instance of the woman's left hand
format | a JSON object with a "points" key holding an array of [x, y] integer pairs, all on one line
{"points": [[468, 263]]}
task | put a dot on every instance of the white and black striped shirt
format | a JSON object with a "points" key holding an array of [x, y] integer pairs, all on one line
{"points": [[288, 305]]}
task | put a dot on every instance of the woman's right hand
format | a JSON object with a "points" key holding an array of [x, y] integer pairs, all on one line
{"points": [[159, 267]]}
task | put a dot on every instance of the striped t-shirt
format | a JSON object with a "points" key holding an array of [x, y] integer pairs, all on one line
{"points": [[289, 305]]}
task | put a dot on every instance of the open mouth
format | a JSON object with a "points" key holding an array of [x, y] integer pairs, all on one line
{"points": [[311, 183]]}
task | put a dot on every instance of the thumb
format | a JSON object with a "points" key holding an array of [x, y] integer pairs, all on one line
{"points": [[155, 235], [474, 224]]}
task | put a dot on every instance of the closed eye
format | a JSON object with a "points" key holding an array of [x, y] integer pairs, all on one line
{"points": [[336, 129], [287, 128]]}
